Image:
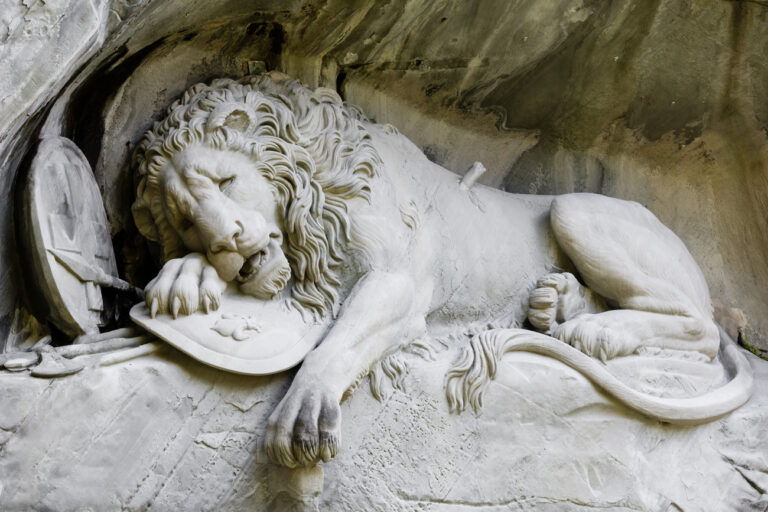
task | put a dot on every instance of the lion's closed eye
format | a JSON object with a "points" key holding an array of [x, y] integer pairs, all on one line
{"points": [[226, 183]]}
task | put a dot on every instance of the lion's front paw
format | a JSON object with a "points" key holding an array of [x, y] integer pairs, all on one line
{"points": [[556, 298], [305, 428], [590, 335], [184, 286]]}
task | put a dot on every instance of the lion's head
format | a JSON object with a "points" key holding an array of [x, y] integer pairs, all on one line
{"points": [[257, 174]]}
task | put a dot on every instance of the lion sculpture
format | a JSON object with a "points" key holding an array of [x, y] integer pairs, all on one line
{"points": [[266, 184]]}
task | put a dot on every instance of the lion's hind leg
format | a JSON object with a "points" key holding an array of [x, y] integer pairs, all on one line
{"points": [[559, 297], [624, 254], [621, 332]]}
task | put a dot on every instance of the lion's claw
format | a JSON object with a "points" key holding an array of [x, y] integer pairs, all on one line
{"points": [[304, 429], [206, 303], [552, 301], [184, 286]]}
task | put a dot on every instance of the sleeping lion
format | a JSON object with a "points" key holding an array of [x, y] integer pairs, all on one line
{"points": [[266, 184]]}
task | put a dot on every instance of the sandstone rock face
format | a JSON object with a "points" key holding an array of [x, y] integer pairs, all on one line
{"points": [[166, 433], [665, 103]]}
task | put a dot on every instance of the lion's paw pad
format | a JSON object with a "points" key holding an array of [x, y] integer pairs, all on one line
{"points": [[556, 298], [304, 429]]}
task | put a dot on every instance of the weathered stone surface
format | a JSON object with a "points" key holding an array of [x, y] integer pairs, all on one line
{"points": [[664, 102], [41, 46], [167, 433]]}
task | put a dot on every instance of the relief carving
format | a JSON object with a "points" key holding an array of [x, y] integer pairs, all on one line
{"points": [[264, 192]]}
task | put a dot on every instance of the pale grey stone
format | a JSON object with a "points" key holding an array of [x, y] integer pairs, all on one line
{"points": [[66, 239], [664, 103], [563, 77], [168, 431]]}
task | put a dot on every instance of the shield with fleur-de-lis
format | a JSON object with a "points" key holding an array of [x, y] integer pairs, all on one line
{"points": [[244, 335]]}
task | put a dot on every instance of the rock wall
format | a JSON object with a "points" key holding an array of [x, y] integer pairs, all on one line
{"points": [[663, 102]]}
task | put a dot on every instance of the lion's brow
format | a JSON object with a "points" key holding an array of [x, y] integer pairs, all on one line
{"points": [[193, 171], [176, 197]]}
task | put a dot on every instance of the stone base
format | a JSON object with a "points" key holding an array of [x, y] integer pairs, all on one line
{"points": [[167, 433]]}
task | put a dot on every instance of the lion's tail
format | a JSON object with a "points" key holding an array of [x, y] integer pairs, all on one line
{"points": [[468, 378]]}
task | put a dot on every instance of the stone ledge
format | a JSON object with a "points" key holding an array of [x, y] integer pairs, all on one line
{"points": [[166, 432]]}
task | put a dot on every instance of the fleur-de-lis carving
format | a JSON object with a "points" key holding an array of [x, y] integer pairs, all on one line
{"points": [[236, 327]]}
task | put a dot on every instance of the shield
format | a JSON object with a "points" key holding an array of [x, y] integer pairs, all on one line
{"points": [[63, 214], [245, 335]]}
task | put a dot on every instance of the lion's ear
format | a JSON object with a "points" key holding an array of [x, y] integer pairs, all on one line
{"points": [[236, 116]]}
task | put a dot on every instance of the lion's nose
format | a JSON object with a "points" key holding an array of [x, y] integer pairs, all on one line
{"points": [[226, 239]]}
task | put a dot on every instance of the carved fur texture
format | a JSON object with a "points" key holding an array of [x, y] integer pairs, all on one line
{"points": [[472, 373], [312, 147], [244, 175]]}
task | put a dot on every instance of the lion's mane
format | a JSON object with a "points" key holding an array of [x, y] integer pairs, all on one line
{"points": [[311, 146]]}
